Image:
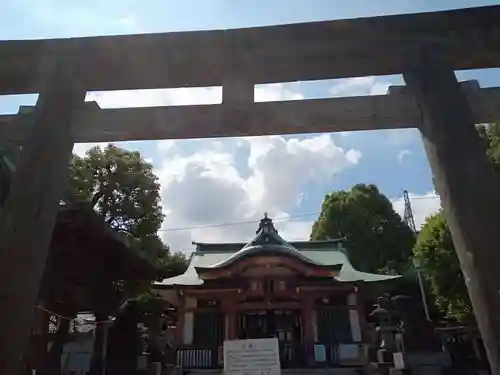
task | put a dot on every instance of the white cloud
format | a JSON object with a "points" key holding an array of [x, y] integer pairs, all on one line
{"points": [[156, 97], [208, 187], [165, 145], [184, 96], [403, 137], [178, 97], [233, 180], [358, 86], [353, 156], [81, 148], [402, 154], [275, 92], [211, 184], [282, 167], [362, 86], [423, 205], [49, 19]]}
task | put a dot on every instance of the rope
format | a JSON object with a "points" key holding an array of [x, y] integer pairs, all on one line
{"points": [[85, 321]]}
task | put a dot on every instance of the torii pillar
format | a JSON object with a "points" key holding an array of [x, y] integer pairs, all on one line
{"points": [[28, 216], [468, 187]]}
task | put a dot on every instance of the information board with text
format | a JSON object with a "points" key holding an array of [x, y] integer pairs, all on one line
{"points": [[252, 357]]}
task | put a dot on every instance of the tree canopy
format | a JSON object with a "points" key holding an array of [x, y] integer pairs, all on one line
{"points": [[122, 188], [436, 252], [491, 136], [376, 237]]}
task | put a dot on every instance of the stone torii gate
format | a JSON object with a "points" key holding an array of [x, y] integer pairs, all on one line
{"points": [[425, 48]]}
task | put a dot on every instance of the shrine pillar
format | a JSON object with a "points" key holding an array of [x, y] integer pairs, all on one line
{"points": [[467, 185], [188, 328], [354, 317], [230, 318], [179, 328], [309, 322], [231, 333]]}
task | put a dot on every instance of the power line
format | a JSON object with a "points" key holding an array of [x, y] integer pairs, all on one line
{"points": [[423, 197], [236, 223], [284, 218]]}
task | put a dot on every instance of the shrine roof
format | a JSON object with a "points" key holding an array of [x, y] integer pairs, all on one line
{"points": [[315, 253], [83, 244]]}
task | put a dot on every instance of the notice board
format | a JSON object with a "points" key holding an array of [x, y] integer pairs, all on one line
{"points": [[252, 357]]}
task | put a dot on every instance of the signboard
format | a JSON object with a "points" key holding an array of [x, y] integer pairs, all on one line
{"points": [[252, 357]]}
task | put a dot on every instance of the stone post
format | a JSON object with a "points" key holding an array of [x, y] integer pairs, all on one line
{"points": [[468, 188], [31, 208], [237, 99]]}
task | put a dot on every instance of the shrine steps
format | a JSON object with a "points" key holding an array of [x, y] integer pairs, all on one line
{"points": [[299, 371]]}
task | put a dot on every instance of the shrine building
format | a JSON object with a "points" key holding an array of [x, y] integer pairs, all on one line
{"points": [[306, 294]]}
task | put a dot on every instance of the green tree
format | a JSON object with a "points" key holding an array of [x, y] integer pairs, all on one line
{"points": [[491, 136], [376, 237], [122, 188], [436, 252]]}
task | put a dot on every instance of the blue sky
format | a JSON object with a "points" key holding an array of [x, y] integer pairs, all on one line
{"points": [[230, 180]]}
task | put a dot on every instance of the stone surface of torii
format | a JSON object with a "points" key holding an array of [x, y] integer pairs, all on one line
{"points": [[396, 110], [467, 38]]}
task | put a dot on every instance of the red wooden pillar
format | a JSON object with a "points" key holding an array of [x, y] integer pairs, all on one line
{"points": [[179, 327], [229, 309], [231, 325], [361, 313], [307, 318], [308, 322]]}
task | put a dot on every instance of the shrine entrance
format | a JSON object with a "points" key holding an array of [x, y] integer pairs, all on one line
{"points": [[285, 325]]}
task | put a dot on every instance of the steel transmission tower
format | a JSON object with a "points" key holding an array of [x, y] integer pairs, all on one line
{"points": [[410, 221], [408, 213]]}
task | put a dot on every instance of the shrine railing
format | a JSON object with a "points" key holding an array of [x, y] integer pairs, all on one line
{"points": [[291, 356], [200, 358]]}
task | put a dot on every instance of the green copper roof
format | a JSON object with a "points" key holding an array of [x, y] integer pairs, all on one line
{"points": [[321, 253], [267, 240]]}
